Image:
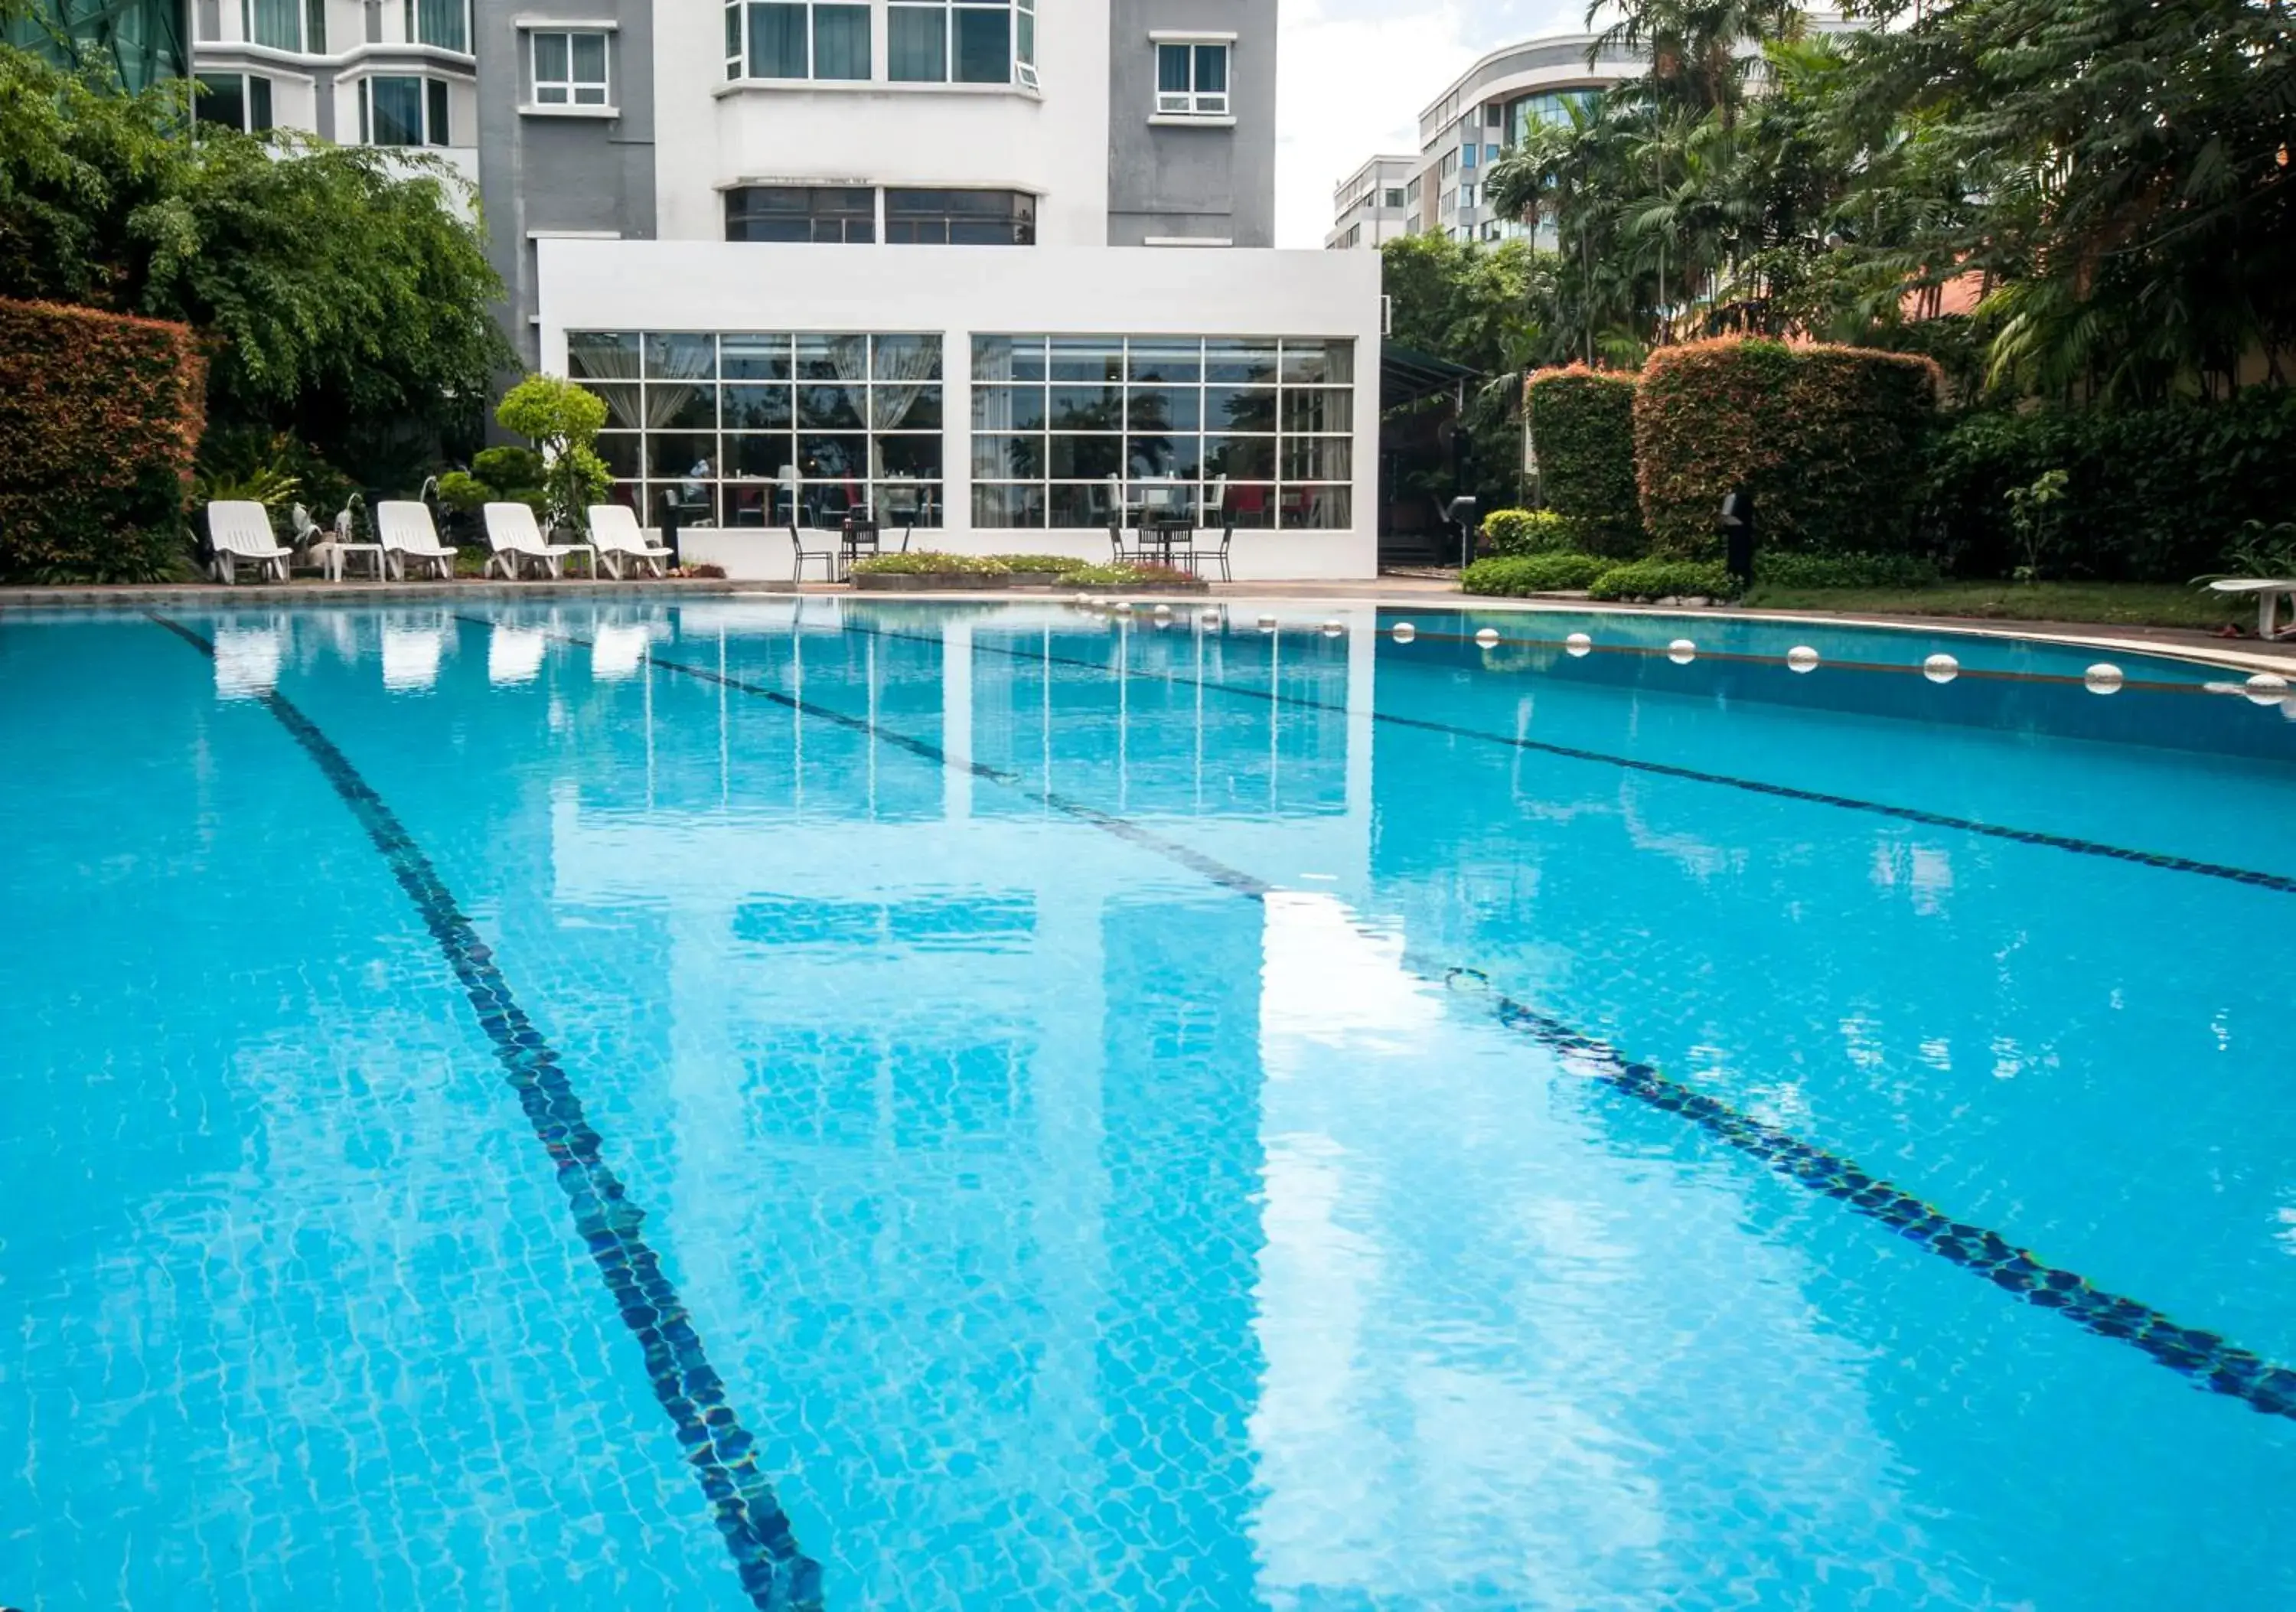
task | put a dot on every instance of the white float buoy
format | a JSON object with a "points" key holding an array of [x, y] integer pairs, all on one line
{"points": [[2104, 678], [1801, 657], [1162, 612], [1682, 652], [1941, 669], [2267, 688], [1487, 637], [1122, 607], [1578, 643], [1404, 632], [1267, 623], [1210, 618], [1332, 629]]}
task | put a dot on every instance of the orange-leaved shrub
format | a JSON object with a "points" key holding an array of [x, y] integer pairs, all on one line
{"points": [[1829, 439], [100, 414]]}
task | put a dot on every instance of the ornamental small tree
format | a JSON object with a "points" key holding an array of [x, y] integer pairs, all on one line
{"points": [[561, 421]]}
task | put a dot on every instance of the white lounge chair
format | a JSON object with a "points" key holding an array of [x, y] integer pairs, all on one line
{"points": [[614, 529], [408, 534], [517, 543], [240, 528], [2268, 591]]}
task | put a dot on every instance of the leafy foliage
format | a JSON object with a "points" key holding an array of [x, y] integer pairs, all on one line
{"points": [[563, 421], [1582, 426], [1519, 574], [1129, 574], [930, 563], [2159, 494], [1662, 579], [347, 300], [1790, 570], [99, 419], [1468, 303], [1523, 531], [1828, 440]]}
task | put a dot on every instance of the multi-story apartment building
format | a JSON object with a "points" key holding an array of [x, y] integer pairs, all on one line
{"points": [[920, 254], [1369, 207]]}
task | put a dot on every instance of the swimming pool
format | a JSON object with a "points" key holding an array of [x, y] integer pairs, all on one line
{"points": [[773, 1103]]}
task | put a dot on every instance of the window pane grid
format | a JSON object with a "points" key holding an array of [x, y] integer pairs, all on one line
{"points": [[927, 41], [1054, 417], [707, 424], [1192, 80]]}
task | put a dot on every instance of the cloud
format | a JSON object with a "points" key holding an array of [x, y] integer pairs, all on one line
{"points": [[1354, 75]]}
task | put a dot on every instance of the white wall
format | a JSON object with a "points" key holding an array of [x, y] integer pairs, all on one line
{"points": [[709, 133], [958, 291]]}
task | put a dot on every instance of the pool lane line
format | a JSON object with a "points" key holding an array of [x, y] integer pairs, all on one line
{"points": [[775, 1574], [2255, 877], [2206, 1359]]}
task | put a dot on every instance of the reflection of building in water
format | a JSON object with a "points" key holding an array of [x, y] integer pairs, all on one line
{"points": [[962, 1093]]}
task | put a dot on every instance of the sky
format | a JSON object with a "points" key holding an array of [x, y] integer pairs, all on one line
{"points": [[1354, 75]]}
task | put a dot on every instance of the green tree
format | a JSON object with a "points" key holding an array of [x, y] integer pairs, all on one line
{"points": [[1469, 303], [349, 297], [563, 421]]}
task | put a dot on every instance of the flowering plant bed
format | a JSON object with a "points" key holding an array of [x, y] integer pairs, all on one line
{"points": [[925, 569], [1135, 579]]}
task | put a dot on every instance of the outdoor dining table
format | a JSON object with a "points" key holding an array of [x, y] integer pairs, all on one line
{"points": [[1166, 529]]}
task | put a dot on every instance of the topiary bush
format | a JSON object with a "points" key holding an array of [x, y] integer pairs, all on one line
{"points": [[1582, 430], [1829, 439], [100, 417], [506, 469], [1513, 576], [1664, 579], [1525, 532]]}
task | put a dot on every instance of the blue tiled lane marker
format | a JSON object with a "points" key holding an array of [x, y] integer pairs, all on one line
{"points": [[1904, 814], [2205, 1359], [775, 1574]]}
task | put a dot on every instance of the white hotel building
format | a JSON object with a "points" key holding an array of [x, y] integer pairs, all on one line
{"points": [[984, 253]]}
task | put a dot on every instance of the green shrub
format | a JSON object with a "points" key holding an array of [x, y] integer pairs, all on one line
{"points": [[1131, 574], [928, 562], [505, 470], [1582, 429], [1058, 564], [100, 417], [1515, 575], [1829, 439], [1842, 570], [1662, 579], [459, 490], [2154, 494], [1523, 531], [563, 421]]}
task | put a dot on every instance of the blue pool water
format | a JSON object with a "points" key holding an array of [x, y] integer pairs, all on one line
{"points": [[768, 1103]]}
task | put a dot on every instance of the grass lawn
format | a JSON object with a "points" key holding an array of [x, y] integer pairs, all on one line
{"points": [[2107, 603]]}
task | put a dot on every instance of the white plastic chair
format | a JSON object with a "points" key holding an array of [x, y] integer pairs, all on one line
{"points": [[517, 543], [614, 529], [408, 533], [240, 528]]}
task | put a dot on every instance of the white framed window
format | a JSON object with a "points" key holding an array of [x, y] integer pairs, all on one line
{"points": [[797, 39], [402, 109], [445, 23], [240, 101], [569, 68], [1191, 79], [961, 42], [288, 25]]}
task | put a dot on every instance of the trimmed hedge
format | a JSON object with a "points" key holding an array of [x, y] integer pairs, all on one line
{"points": [[1829, 439], [1526, 532], [1658, 579], [100, 416], [1582, 429], [2151, 495], [1843, 571], [1513, 575]]}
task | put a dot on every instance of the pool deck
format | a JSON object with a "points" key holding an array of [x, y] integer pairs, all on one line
{"points": [[1391, 591]]}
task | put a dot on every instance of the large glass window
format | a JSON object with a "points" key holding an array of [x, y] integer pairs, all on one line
{"points": [[445, 23], [960, 218], [1526, 113], [711, 424], [277, 23], [1064, 425], [569, 69], [399, 111], [842, 213], [1192, 80], [791, 40], [234, 101], [960, 41]]}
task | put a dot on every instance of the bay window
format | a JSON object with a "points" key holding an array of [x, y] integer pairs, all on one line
{"points": [[233, 101], [445, 23], [788, 39], [396, 110]]}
